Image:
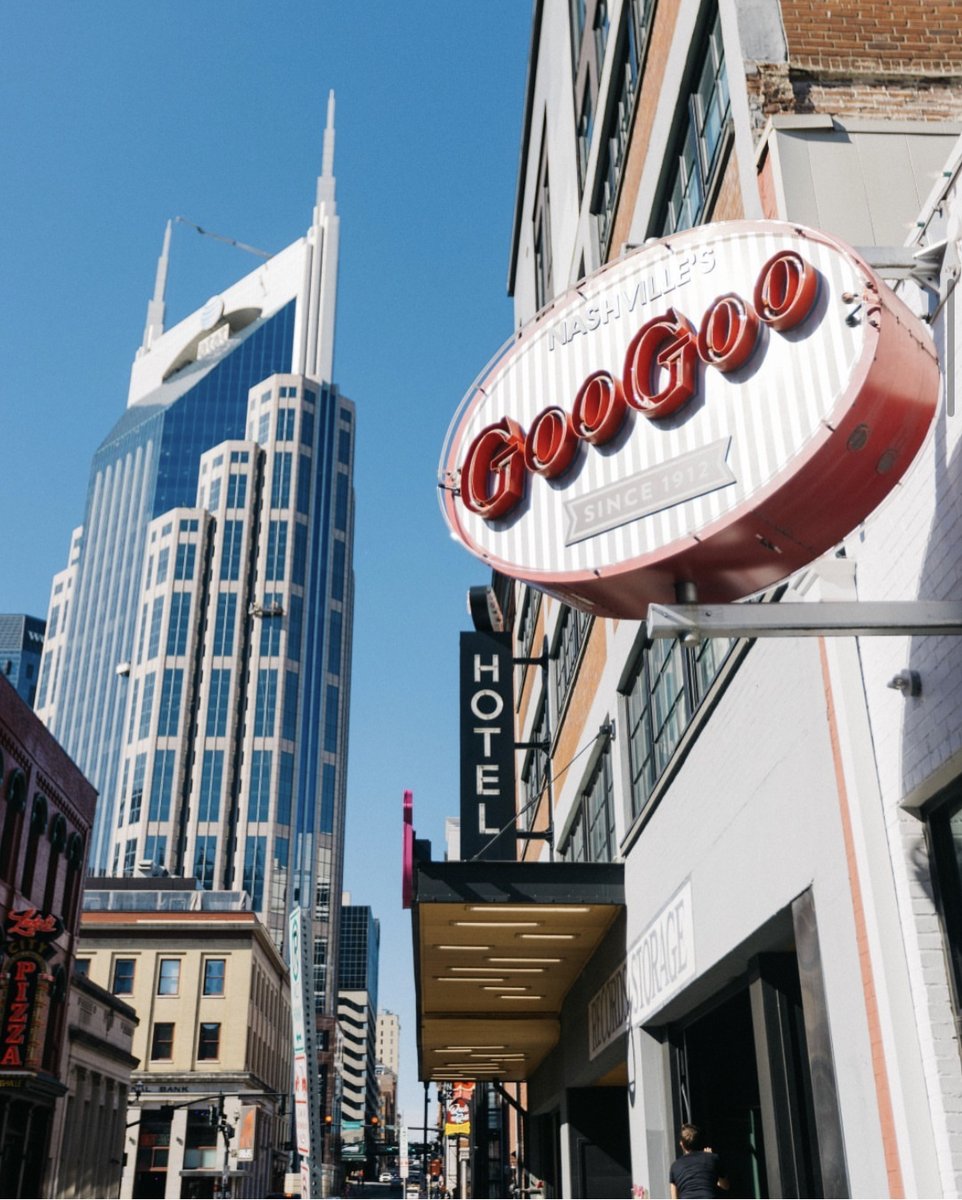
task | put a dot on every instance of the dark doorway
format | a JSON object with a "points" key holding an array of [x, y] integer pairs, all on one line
{"points": [[717, 1089], [741, 1071], [601, 1159]]}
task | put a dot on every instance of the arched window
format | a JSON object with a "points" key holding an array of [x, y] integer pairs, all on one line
{"points": [[38, 824], [15, 795]]}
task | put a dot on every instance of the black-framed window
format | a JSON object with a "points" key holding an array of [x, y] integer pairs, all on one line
{"points": [[944, 834], [534, 771], [667, 684], [626, 76], [591, 836], [162, 1041], [525, 630], [569, 640], [586, 123], [543, 262], [697, 151]]}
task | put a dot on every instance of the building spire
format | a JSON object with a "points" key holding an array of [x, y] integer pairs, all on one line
{"points": [[156, 306], [325, 181], [315, 353], [327, 166]]}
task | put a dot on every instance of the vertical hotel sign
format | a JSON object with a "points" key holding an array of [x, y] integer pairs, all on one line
{"points": [[487, 747], [306, 1114]]}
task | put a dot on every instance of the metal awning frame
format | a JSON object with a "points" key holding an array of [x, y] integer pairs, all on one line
{"points": [[693, 623]]}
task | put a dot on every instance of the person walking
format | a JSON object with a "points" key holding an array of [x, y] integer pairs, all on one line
{"points": [[698, 1171]]}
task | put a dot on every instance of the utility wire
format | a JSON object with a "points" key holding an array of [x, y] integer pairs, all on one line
{"points": [[220, 238]]}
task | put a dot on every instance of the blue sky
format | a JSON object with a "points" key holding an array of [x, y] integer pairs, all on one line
{"points": [[118, 115]]}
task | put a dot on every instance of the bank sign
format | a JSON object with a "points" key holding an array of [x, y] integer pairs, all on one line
{"points": [[717, 408]]}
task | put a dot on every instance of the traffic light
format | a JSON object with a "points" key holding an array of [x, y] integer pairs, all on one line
{"points": [[375, 1122], [328, 1120]]}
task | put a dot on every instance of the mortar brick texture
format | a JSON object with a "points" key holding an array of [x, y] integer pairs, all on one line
{"points": [[852, 59], [907, 36]]}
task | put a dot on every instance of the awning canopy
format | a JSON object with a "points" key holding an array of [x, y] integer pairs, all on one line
{"points": [[497, 947]]}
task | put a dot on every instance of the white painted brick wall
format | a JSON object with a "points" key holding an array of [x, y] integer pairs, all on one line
{"points": [[912, 547]]}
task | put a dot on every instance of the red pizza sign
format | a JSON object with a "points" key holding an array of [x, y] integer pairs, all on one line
{"points": [[718, 408]]}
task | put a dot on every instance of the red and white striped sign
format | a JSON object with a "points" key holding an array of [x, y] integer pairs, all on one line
{"points": [[717, 408]]}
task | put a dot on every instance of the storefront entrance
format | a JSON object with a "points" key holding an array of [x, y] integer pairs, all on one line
{"points": [[741, 1072], [599, 1140]]}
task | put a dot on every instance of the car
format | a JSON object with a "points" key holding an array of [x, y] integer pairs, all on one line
{"points": [[385, 1177]]}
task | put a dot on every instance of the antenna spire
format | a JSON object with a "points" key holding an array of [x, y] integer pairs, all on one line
{"points": [[327, 161], [156, 306]]}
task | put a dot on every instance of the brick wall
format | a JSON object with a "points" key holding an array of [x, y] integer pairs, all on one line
{"points": [[886, 37], [886, 59]]}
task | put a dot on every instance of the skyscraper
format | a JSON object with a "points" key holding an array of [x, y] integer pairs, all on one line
{"points": [[200, 671], [357, 981]]}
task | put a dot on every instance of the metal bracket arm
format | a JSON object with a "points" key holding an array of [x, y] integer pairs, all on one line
{"points": [[842, 618]]}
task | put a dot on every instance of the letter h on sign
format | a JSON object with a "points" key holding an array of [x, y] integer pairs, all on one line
{"points": [[487, 746]]}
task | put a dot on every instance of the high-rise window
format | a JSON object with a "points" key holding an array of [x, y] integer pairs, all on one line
{"points": [[265, 703], [156, 616], [271, 627], [340, 503], [260, 786], [255, 854], [224, 623], [331, 724], [155, 849], [289, 722], [161, 785], [231, 553], [205, 856], [146, 705], [186, 560], [137, 786], [179, 623], [281, 479], [276, 550], [236, 490], [211, 784], [218, 701], [168, 718]]}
